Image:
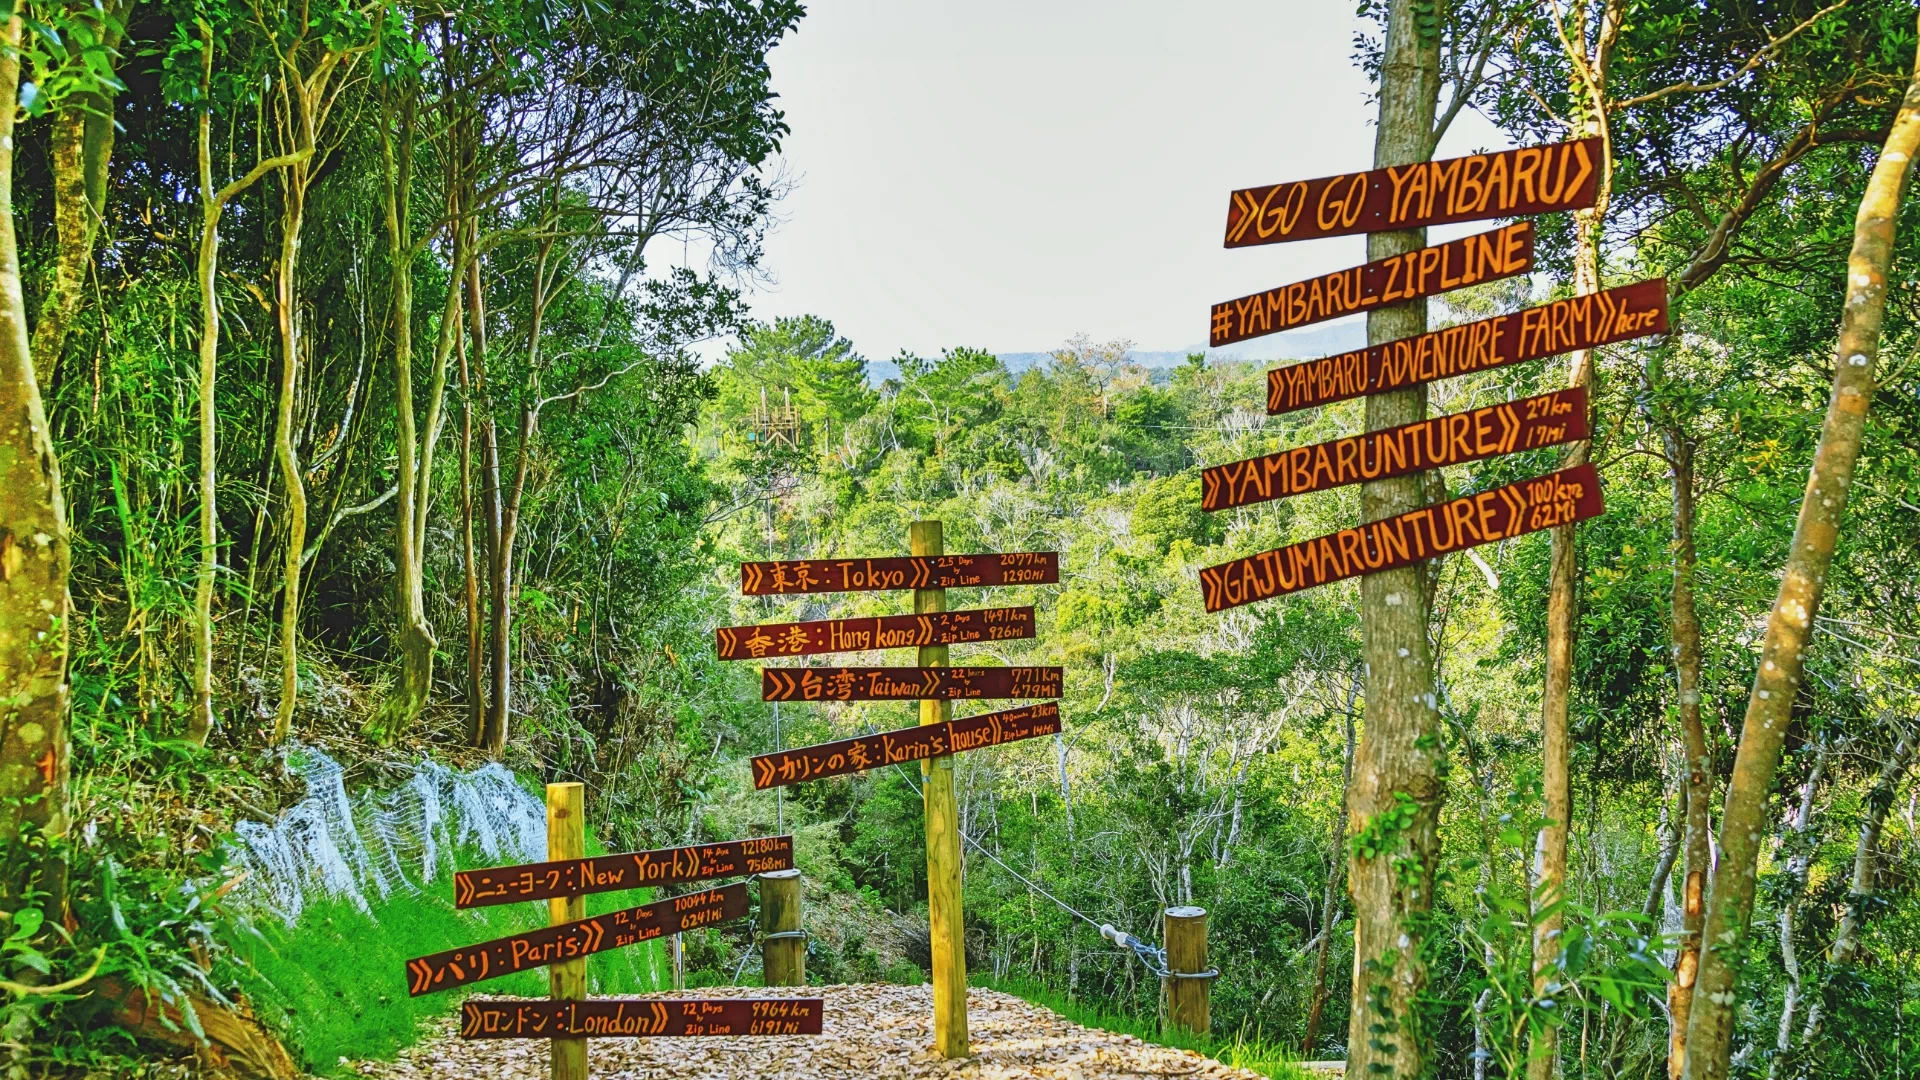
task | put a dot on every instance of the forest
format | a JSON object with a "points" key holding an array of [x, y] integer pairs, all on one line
{"points": [[357, 427]]}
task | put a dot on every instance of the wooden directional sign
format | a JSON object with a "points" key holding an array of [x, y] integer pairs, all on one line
{"points": [[885, 632], [911, 572], [1577, 322], [1530, 505], [632, 1017], [1506, 428], [1511, 183], [908, 683], [610, 873], [1428, 271], [566, 941], [904, 745]]}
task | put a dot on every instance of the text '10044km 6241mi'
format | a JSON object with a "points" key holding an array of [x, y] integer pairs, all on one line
{"points": [[537, 948]]}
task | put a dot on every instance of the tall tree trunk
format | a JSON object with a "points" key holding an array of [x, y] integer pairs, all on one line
{"points": [[1393, 804], [1591, 53], [1866, 869], [34, 560], [1698, 788], [286, 296], [82, 145], [476, 663], [493, 737], [1790, 623], [213, 204]]}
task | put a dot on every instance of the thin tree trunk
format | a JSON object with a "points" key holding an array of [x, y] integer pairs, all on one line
{"points": [[213, 204], [416, 637], [1393, 804], [286, 296], [1699, 765], [1550, 846], [1330, 896], [494, 736], [1866, 869], [1799, 858], [1790, 623], [82, 145], [476, 663], [34, 561]]}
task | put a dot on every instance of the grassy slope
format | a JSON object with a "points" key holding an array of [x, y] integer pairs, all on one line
{"points": [[336, 986], [1246, 1050]]}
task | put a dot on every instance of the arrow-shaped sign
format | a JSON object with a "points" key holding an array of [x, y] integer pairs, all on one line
{"points": [[1427, 444], [908, 683], [911, 572], [860, 635]]}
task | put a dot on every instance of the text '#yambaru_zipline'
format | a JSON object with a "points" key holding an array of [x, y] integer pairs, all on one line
{"points": [[1530, 180]]}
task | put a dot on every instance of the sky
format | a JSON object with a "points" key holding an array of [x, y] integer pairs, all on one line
{"points": [[1005, 174]]}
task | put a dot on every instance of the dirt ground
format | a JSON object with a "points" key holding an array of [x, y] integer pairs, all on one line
{"points": [[870, 1033]]}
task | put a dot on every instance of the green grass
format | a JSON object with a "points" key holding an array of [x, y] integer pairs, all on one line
{"points": [[335, 984], [1249, 1050]]}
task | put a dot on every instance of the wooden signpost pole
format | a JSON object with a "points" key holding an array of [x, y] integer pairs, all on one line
{"points": [[567, 839], [783, 949], [1189, 983], [943, 834]]}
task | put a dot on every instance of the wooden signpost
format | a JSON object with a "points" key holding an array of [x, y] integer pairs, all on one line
{"points": [[929, 571], [1469, 521], [538, 948], [1531, 180], [1577, 322], [884, 632], [633, 1017], [908, 683], [611, 873], [1505, 428], [1510, 183], [1429, 271], [905, 745], [882, 575], [568, 1019]]}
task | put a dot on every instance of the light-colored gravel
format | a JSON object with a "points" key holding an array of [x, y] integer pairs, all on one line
{"points": [[870, 1033]]}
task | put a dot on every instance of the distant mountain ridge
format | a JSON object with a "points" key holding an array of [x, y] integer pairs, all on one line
{"points": [[1300, 345]]}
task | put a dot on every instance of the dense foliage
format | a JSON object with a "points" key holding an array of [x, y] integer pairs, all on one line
{"points": [[445, 479]]}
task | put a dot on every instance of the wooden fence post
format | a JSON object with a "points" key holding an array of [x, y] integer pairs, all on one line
{"points": [[1189, 982], [947, 922], [783, 945], [567, 839]]}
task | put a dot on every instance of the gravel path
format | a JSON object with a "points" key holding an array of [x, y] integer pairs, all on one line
{"points": [[872, 1032]]}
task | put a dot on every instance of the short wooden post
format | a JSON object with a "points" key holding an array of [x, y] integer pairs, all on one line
{"points": [[948, 923], [783, 946], [1189, 982], [567, 839]]}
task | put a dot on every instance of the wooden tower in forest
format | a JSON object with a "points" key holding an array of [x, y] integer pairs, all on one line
{"points": [[776, 423]]}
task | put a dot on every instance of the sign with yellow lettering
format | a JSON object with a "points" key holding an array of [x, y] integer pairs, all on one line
{"points": [[1577, 322], [567, 941], [636, 1017], [1555, 499], [611, 873], [1506, 428], [885, 632], [908, 683], [1428, 271], [900, 572], [904, 745], [1511, 183]]}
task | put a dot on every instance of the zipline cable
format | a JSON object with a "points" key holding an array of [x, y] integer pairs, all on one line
{"points": [[1153, 957]]}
